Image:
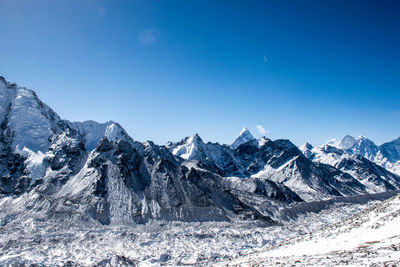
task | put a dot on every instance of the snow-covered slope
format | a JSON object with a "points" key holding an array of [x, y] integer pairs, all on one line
{"points": [[27, 121], [370, 237]]}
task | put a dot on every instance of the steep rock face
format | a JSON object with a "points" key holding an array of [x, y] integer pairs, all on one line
{"points": [[134, 185]]}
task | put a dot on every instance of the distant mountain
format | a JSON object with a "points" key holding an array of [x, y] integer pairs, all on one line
{"points": [[277, 163], [391, 150], [374, 177], [386, 155], [306, 149]]}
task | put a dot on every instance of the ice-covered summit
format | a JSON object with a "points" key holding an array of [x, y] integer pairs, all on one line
{"points": [[188, 147], [347, 142], [30, 123], [93, 132], [306, 149], [244, 137]]}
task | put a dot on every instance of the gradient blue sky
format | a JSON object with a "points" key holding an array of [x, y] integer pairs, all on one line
{"points": [[304, 70]]}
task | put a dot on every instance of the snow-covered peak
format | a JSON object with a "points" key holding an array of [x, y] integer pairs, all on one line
{"points": [[30, 122], [93, 132], [245, 131], [306, 149], [347, 142], [194, 139], [244, 137], [187, 148]]}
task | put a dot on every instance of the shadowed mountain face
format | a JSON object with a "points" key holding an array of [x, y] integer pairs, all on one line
{"points": [[96, 173]]}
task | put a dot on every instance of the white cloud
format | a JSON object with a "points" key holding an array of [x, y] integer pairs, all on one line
{"points": [[148, 36], [261, 129], [265, 59]]}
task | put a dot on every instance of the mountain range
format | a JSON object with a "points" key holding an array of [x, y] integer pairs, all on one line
{"points": [[89, 172]]}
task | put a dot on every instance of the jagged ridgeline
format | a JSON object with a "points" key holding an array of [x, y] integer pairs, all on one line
{"points": [[95, 172]]}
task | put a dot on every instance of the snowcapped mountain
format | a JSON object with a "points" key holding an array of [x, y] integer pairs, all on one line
{"points": [[211, 156], [374, 177], [277, 164], [96, 173], [386, 155]]}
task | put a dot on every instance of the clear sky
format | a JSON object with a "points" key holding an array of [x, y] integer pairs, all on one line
{"points": [[303, 70]]}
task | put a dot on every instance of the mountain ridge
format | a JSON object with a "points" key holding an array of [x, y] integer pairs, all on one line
{"points": [[96, 171]]}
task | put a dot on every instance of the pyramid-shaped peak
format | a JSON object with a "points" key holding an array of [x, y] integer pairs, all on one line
{"points": [[306, 145], [244, 137], [194, 139], [246, 133], [306, 149], [347, 136], [347, 142]]}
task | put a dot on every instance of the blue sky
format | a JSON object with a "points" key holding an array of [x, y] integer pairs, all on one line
{"points": [[303, 70]]}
